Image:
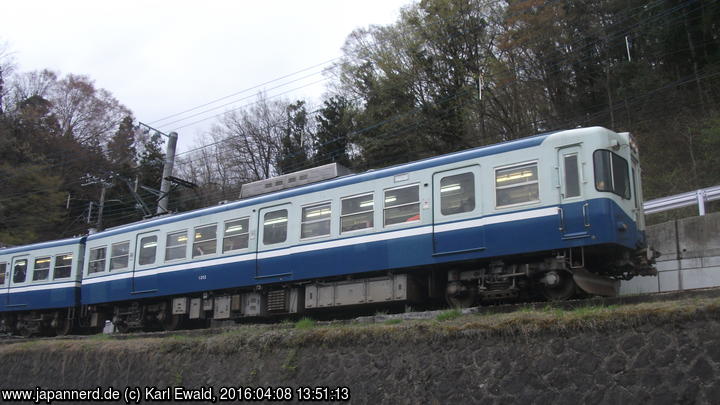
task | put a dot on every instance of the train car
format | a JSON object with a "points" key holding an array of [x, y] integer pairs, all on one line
{"points": [[40, 287], [552, 215]]}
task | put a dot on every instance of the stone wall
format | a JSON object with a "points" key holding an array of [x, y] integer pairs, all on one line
{"points": [[660, 355], [690, 258]]}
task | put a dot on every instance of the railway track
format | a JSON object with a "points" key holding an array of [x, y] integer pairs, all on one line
{"points": [[419, 315]]}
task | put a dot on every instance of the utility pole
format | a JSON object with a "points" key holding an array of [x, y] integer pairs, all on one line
{"points": [[164, 196]]}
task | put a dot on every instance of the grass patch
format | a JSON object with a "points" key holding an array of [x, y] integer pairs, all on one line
{"points": [[449, 315], [305, 323], [393, 321]]}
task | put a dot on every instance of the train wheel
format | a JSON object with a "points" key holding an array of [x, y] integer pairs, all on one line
{"points": [[459, 295], [172, 322], [64, 327], [558, 286]]}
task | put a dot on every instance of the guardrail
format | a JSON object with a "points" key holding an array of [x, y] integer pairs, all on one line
{"points": [[699, 197]]}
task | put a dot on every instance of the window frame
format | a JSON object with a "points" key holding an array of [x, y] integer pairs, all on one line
{"points": [[535, 163], [110, 264], [56, 267], [315, 221], [287, 227], [91, 261], [371, 210], [385, 207], [47, 269], [578, 177], [473, 194], [26, 259], [247, 232], [611, 167], [5, 277], [196, 242], [140, 249], [168, 246]]}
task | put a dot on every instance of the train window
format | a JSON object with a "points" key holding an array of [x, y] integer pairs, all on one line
{"points": [[3, 269], [119, 255], [236, 234], [611, 173], [148, 250], [315, 221], [176, 245], [205, 242], [572, 176], [275, 227], [63, 266], [20, 271], [357, 213], [41, 270], [516, 185], [402, 205], [96, 263], [457, 194]]}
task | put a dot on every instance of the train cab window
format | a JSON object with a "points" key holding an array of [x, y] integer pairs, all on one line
{"points": [[176, 245], [357, 213], [148, 250], [41, 270], [236, 234], [611, 173], [20, 271], [516, 185], [275, 227], [315, 221], [205, 242], [572, 176], [457, 194], [119, 255], [63, 266], [402, 205], [96, 264], [3, 270]]}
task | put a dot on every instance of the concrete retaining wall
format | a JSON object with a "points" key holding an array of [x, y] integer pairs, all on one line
{"points": [[690, 258]]}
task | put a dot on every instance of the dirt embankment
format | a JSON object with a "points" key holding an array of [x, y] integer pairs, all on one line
{"points": [[663, 352]]}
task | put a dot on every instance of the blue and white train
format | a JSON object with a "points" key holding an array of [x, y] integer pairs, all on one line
{"points": [[549, 215]]}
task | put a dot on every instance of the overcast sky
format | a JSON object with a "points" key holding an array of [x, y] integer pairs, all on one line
{"points": [[161, 58]]}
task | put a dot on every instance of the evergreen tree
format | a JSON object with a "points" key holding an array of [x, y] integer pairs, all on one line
{"points": [[293, 153]]}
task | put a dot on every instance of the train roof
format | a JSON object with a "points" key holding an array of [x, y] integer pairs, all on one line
{"points": [[41, 245], [481, 151]]}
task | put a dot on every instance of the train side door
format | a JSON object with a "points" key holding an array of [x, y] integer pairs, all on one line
{"points": [[457, 226], [4, 283], [574, 210], [273, 235], [146, 258]]}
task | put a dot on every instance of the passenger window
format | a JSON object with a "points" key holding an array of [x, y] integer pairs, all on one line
{"points": [[41, 271], [119, 255], [3, 269], [236, 234], [516, 185], [457, 194], [275, 227], [572, 177], [63, 266], [357, 213], [402, 205], [175, 245], [20, 271], [96, 263], [205, 242], [611, 173], [315, 221], [148, 250]]}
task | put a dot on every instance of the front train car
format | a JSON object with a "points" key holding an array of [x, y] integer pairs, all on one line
{"points": [[566, 217], [40, 287]]}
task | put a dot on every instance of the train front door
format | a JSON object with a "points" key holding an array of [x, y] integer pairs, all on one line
{"points": [[457, 223], [574, 210]]}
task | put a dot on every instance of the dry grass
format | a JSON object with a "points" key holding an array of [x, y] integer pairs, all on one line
{"points": [[520, 324]]}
